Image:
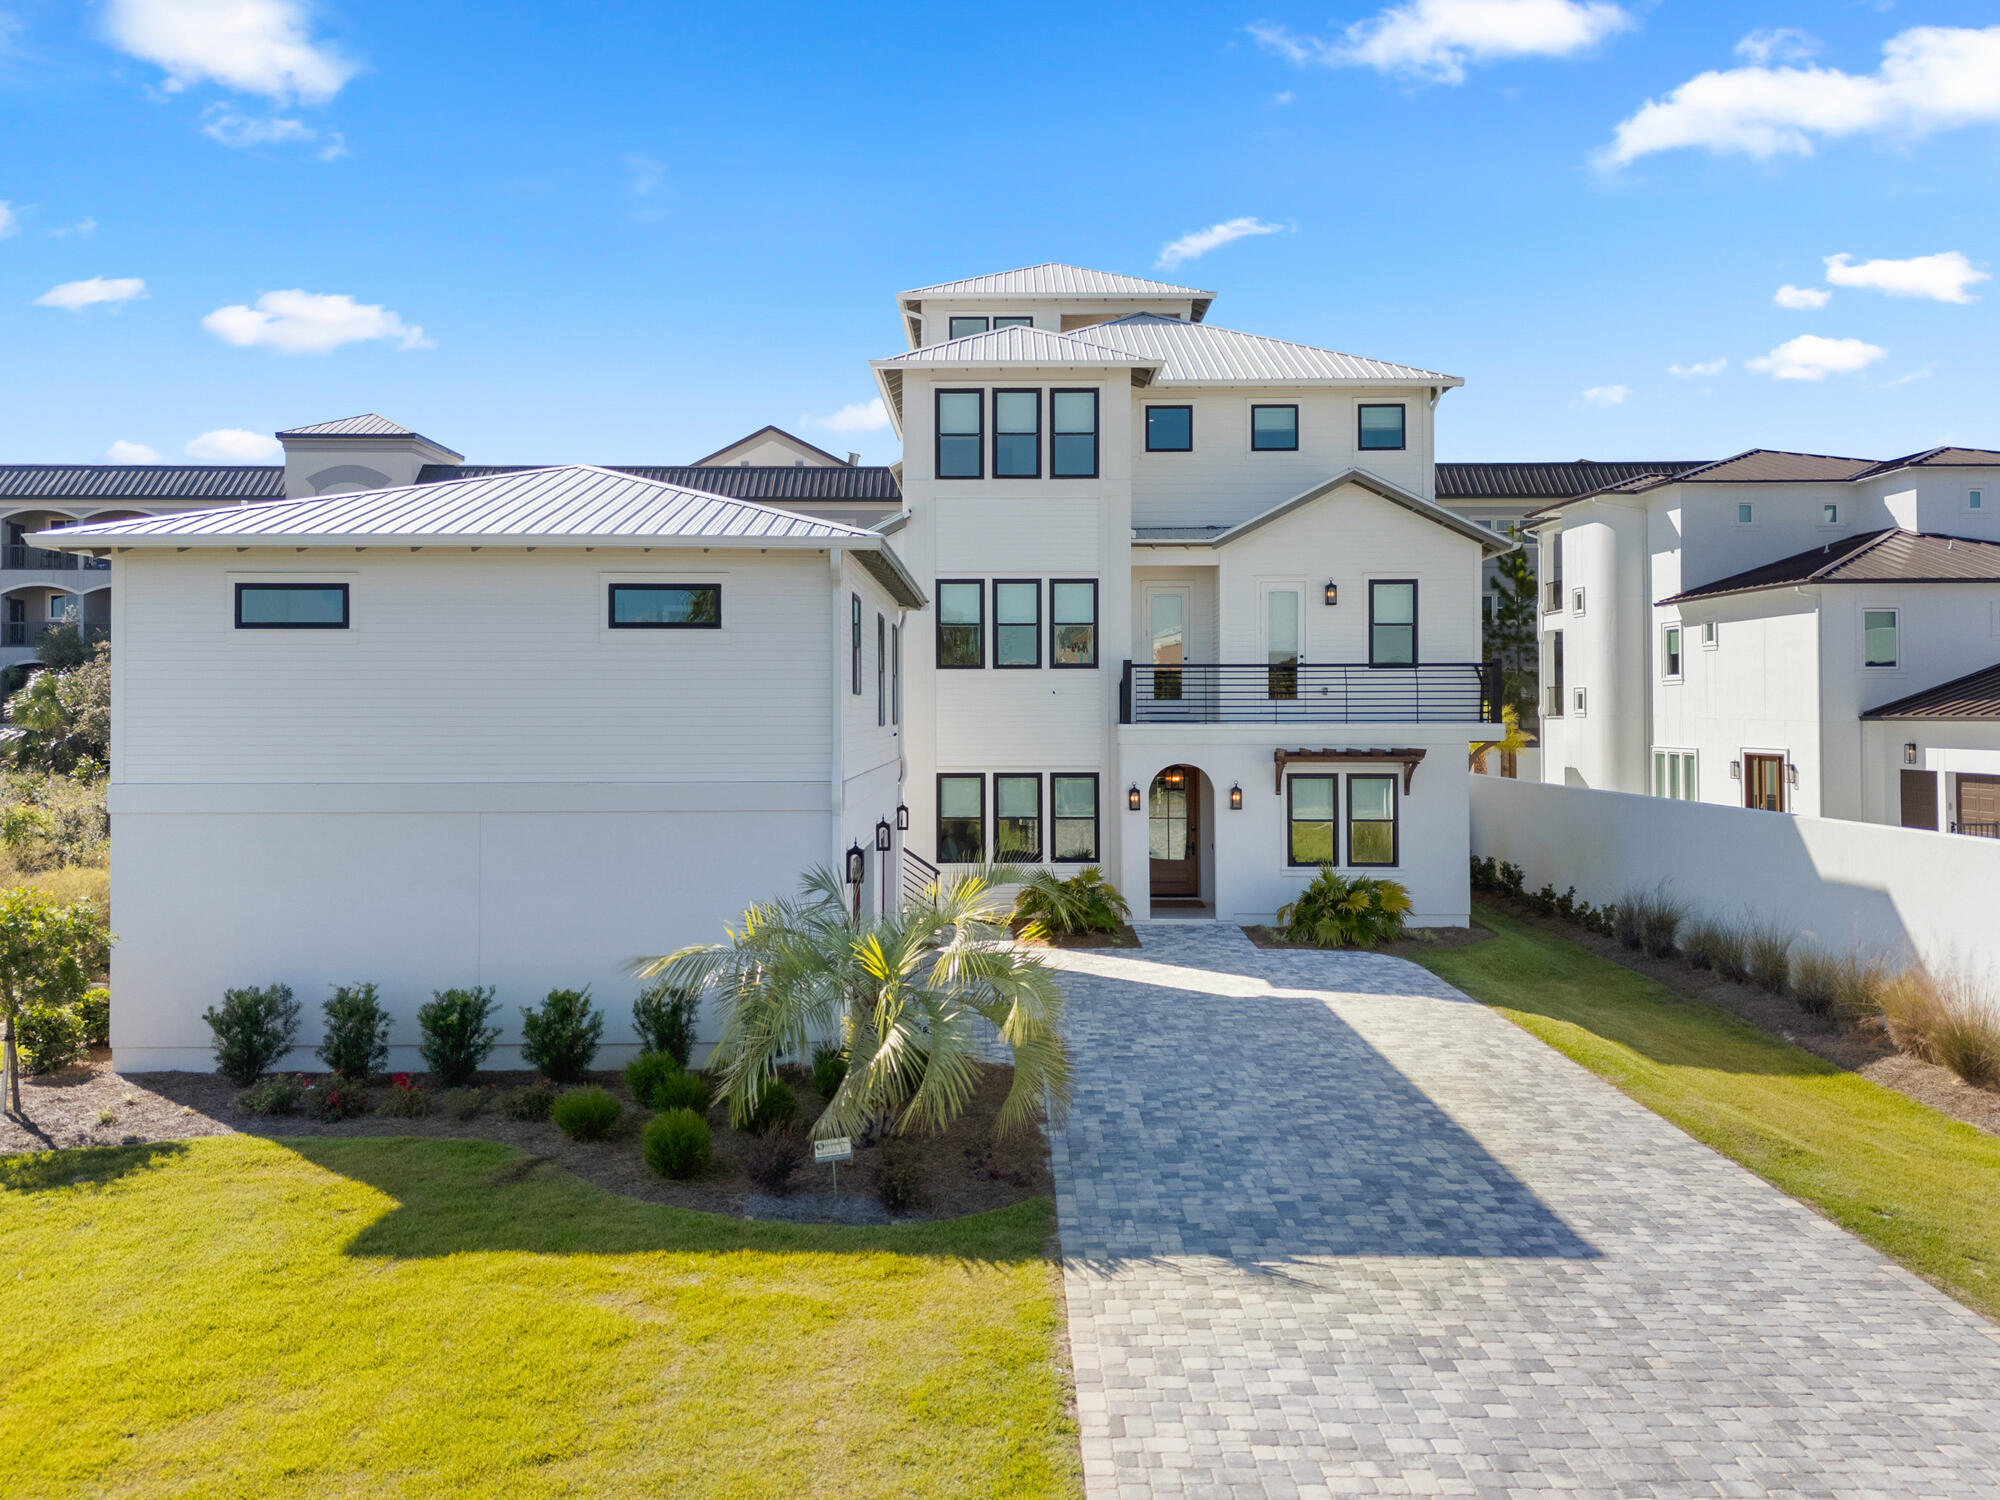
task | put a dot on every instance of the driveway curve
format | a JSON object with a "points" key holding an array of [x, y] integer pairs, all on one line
{"points": [[1332, 1228]]}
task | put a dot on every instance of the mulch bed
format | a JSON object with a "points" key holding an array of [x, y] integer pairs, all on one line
{"points": [[1124, 937], [965, 1170], [1864, 1049], [1420, 940]]}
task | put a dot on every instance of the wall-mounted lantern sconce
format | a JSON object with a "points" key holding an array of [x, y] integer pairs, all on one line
{"points": [[857, 864], [1736, 770], [1910, 753], [1174, 777], [1132, 797], [1236, 797], [902, 817], [1791, 774], [1333, 593], [883, 833]]}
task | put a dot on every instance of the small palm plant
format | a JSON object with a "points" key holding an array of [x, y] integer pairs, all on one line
{"points": [[910, 995], [1086, 902], [1338, 911]]}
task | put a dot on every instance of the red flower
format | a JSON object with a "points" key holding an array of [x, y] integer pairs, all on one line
{"points": [[401, 1080]]}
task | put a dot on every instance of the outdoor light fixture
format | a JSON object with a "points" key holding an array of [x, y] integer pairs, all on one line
{"points": [[1333, 593], [1132, 797], [1791, 774], [1236, 791], [903, 817], [1736, 770], [1910, 753], [1173, 777], [882, 836], [857, 864]]}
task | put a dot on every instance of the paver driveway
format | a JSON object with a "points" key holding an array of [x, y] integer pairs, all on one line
{"points": [[1331, 1228]]}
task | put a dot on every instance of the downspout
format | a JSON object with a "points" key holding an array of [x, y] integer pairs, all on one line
{"points": [[837, 770]]}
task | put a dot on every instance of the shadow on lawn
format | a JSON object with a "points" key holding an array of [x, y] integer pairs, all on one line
{"points": [[39, 1171]]}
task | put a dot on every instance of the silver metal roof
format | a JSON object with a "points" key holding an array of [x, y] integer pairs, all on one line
{"points": [[1054, 279], [1375, 484], [368, 424], [68, 482], [1202, 354], [1018, 346]]}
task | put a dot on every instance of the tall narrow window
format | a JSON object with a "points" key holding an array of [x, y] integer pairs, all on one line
{"points": [[1392, 622], [1073, 805], [1274, 429], [961, 830], [1309, 814], [1017, 622], [881, 670], [1017, 819], [965, 327], [1017, 434], [854, 644], [1073, 434], [1073, 622], [666, 606], [1371, 820], [1281, 643], [1554, 707], [1670, 653], [1381, 427], [895, 674], [290, 606], [1169, 429], [961, 617], [961, 434], [1878, 631]]}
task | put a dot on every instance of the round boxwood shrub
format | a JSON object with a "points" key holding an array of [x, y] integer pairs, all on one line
{"points": [[586, 1114], [677, 1143], [776, 1106], [646, 1073], [682, 1091]]}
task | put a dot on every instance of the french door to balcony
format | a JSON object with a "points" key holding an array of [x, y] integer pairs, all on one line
{"points": [[1169, 611], [1283, 625]]}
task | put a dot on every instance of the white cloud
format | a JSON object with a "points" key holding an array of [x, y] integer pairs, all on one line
{"points": [[1194, 246], [122, 452], [232, 445], [1704, 367], [1810, 357], [1942, 278], [1606, 395], [83, 228], [253, 46], [1801, 298], [1436, 39], [240, 131], [74, 296], [1932, 78], [10, 222], [1777, 44], [298, 322], [861, 416], [1283, 96]]}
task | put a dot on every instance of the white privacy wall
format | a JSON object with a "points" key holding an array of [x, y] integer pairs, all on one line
{"points": [[1895, 890]]}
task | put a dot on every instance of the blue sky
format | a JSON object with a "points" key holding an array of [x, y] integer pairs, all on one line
{"points": [[628, 232]]}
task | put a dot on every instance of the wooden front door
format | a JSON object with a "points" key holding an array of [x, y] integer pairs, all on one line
{"points": [[1919, 799], [1979, 805], [1764, 782], [1173, 832]]}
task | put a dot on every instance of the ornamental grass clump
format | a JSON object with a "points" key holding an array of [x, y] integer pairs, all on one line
{"points": [[677, 1144], [664, 1015], [1342, 911], [1086, 902], [1858, 987], [1648, 919], [560, 1039], [356, 1043], [457, 1038], [647, 1074], [1815, 979], [1947, 1017], [1769, 952], [1709, 944], [586, 1114], [253, 1028]]}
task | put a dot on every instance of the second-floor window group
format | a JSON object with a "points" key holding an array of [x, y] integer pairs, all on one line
{"points": [[1017, 619], [1013, 420]]}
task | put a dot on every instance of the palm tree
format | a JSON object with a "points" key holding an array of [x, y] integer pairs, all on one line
{"points": [[909, 994]]}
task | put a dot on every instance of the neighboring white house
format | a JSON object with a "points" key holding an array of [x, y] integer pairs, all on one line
{"points": [[1739, 633]]}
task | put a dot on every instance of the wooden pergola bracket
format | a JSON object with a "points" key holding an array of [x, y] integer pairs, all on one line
{"points": [[1406, 758]]}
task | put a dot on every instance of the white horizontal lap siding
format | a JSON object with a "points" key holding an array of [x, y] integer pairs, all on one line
{"points": [[460, 666], [865, 743]]}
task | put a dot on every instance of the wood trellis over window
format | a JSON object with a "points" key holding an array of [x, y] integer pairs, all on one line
{"points": [[1407, 759]]}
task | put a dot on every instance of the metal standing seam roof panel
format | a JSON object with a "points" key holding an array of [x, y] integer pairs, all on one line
{"points": [[1055, 279], [771, 484], [1545, 481], [368, 424], [141, 481], [1202, 354], [1888, 556], [1018, 346], [1976, 695]]}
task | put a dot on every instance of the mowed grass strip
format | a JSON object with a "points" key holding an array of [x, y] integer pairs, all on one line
{"points": [[1914, 1183], [239, 1317]]}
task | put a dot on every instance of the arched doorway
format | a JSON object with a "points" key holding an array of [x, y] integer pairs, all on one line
{"points": [[1177, 815]]}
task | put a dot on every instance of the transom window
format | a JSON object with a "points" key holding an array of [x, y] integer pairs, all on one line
{"points": [[1381, 427], [1670, 652], [961, 830], [1017, 622], [1017, 434], [961, 419], [1073, 622], [1073, 805], [290, 606], [666, 606], [1274, 429], [1371, 820], [1073, 434], [965, 327], [1878, 632], [1310, 805], [961, 623], [1169, 429], [1392, 622], [1017, 819]]}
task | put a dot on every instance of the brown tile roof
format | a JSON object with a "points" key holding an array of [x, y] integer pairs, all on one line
{"points": [[1771, 466], [1949, 458], [1890, 556], [1545, 481], [1976, 695]]}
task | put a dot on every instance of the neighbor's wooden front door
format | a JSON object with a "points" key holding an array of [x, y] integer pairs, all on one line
{"points": [[1764, 782], [1173, 832], [1979, 805]]}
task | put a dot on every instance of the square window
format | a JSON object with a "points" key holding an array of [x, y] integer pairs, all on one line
{"points": [[1392, 623], [961, 825], [1073, 622], [666, 606], [1274, 429], [291, 606], [1309, 813], [961, 623], [1017, 434], [1073, 434], [1381, 427], [960, 433], [966, 327], [1169, 429], [1878, 631], [1017, 622], [1829, 514], [1746, 515], [1073, 805], [1371, 820], [1670, 652], [1017, 819]]}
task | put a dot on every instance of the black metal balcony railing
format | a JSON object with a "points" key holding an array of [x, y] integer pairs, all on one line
{"points": [[20, 555], [34, 632], [920, 879], [1978, 830], [1310, 693]]}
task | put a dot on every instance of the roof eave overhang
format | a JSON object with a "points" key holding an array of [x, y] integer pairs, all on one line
{"points": [[79, 539]]}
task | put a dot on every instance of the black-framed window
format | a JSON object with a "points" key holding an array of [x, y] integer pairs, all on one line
{"points": [[1017, 622], [1073, 818], [1311, 803], [1072, 622], [1274, 429], [1392, 622], [1013, 321], [1169, 429], [961, 619], [1371, 821], [961, 434], [1017, 434], [1379, 427], [291, 606], [961, 820], [854, 642], [1017, 819], [896, 674], [965, 327], [1073, 434], [666, 606], [881, 669]]}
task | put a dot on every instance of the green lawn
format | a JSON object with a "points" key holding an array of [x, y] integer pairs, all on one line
{"points": [[1912, 1182], [376, 1317]]}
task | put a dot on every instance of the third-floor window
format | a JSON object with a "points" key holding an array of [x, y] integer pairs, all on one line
{"points": [[1017, 434], [1073, 429], [961, 430]]}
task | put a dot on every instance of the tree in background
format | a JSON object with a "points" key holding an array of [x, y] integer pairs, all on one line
{"points": [[48, 953], [62, 718], [1510, 633]]}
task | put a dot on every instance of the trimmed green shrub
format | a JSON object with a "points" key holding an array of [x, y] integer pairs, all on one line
{"points": [[776, 1106], [356, 1043], [337, 1098], [646, 1073], [770, 1160], [665, 1019], [1769, 954], [93, 1011], [531, 1101], [1086, 902], [275, 1095], [49, 1036], [586, 1114], [683, 1091], [677, 1144], [560, 1040], [829, 1068], [899, 1180], [466, 1104], [1341, 911], [456, 1037], [253, 1029], [407, 1099]]}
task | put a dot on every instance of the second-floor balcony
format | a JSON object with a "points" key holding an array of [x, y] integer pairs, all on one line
{"points": [[1310, 693], [20, 557], [34, 632]]}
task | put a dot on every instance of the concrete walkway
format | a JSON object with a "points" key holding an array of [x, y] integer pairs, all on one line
{"points": [[1331, 1228]]}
